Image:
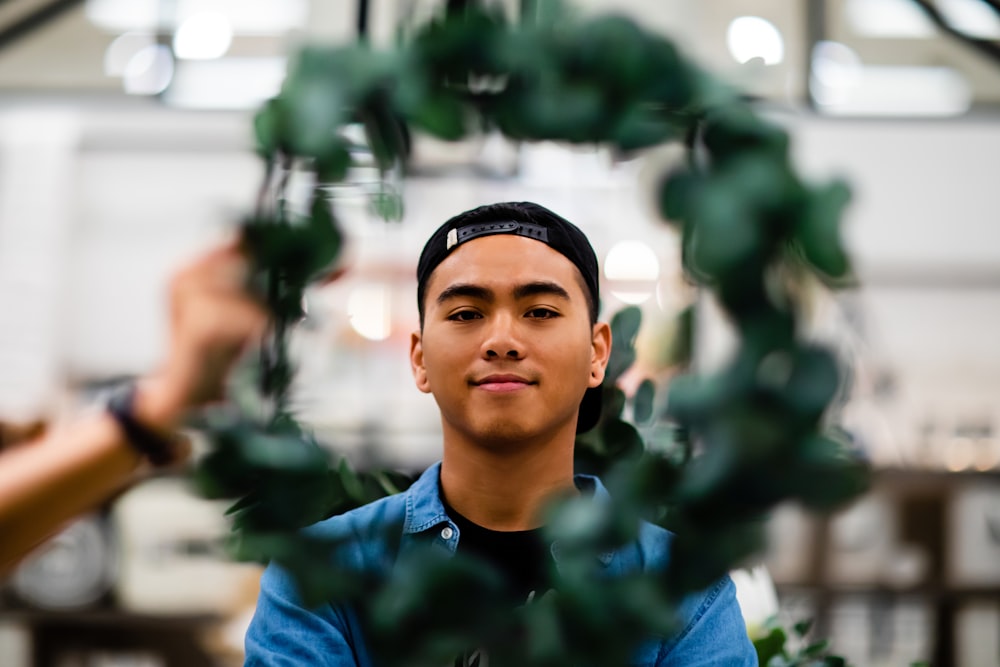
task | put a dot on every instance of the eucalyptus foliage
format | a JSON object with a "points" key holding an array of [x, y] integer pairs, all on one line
{"points": [[753, 433]]}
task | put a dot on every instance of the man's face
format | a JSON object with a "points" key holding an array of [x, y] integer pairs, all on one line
{"points": [[507, 348]]}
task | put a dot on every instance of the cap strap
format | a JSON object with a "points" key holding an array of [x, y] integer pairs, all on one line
{"points": [[469, 232]]}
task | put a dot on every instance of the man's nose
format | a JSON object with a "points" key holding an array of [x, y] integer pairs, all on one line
{"points": [[502, 339]]}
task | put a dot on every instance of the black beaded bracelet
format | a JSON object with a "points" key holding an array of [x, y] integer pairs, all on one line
{"points": [[159, 449]]}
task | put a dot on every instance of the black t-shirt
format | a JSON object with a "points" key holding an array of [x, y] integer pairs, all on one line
{"points": [[521, 556]]}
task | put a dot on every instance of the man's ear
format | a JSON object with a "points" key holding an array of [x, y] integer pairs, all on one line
{"points": [[600, 353], [417, 363]]}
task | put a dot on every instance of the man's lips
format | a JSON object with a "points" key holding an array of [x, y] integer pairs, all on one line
{"points": [[503, 383]]}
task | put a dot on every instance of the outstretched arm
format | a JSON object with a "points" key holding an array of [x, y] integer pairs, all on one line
{"points": [[47, 482]]}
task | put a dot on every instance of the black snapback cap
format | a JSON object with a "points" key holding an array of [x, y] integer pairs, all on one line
{"points": [[532, 221]]}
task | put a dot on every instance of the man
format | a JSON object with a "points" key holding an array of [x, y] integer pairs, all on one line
{"points": [[510, 347]]}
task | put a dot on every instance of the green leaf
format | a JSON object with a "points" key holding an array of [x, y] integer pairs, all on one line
{"points": [[726, 241], [332, 166], [621, 440], [812, 382], [692, 399], [700, 557], [643, 401], [625, 325], [441, 115], [452, 49], [612, 50], [282, 453], [818, 232], [349, 480], [770, 645], [679, 194], [266, 129], [612, 402], [297, 252], [386, 132], [682, 343], [802, 627], [672, 82], [311, 110], [323, 235], [571, 112], [734, 130], [624, 329], [816, 648], [641, 128], [826, 475]]}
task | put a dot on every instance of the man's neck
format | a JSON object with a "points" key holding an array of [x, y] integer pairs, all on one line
{"points": [[502, 489]]}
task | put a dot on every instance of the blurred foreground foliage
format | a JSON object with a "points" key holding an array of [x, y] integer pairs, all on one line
{"points": [[773, 649], [739, 441]]}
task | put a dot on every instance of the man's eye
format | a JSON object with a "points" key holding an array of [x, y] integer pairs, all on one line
{"points": [[464, 316], [542, 313]]}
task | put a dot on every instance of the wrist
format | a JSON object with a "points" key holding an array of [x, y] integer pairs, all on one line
{"points": [[156, 406], [146, 421]]}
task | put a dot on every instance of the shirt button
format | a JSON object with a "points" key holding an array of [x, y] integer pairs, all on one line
{"points": [[446, 533]]}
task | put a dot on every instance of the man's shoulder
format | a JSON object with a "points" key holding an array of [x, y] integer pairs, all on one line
{"points": [[371, 519], [651, 549]]}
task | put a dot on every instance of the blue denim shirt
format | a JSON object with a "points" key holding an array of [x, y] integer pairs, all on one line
{"points": [[284, 632]]}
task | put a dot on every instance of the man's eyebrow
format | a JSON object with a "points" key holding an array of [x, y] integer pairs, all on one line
{"points": [[478, 292], [465, 290], [541, 287]]}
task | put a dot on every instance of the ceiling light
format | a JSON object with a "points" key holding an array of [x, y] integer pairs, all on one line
{"points": [[121, 51], [973, 17], [753, 38], [149, 71], [203, 36], [836, 71], [632, 270]]}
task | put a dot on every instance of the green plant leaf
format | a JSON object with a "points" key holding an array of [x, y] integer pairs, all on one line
{"points": [[309, 112], [818, 231], [641, 128], [827, 475], [692, 399], [624, 329], [621, 440], [725, 242], [679, 193], [770, 645], [816, 648], [266, 129], [643, 401], [332, 166], [733, 130], [441, 115], [802, 628]]}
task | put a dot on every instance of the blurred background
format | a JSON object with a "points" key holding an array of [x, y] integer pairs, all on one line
{"points": [[126, 146]]}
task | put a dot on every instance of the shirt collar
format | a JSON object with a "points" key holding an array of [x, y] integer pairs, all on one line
{"points": [[425, 510]]}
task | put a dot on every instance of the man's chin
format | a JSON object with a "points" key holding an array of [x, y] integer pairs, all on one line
{"points": [[505, 434], [509, 435]]}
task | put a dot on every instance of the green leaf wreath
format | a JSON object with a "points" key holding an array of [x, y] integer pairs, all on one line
{"points": [[741, 440]]}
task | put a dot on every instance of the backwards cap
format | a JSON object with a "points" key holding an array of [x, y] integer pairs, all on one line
{"points": [[522, 219]]}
